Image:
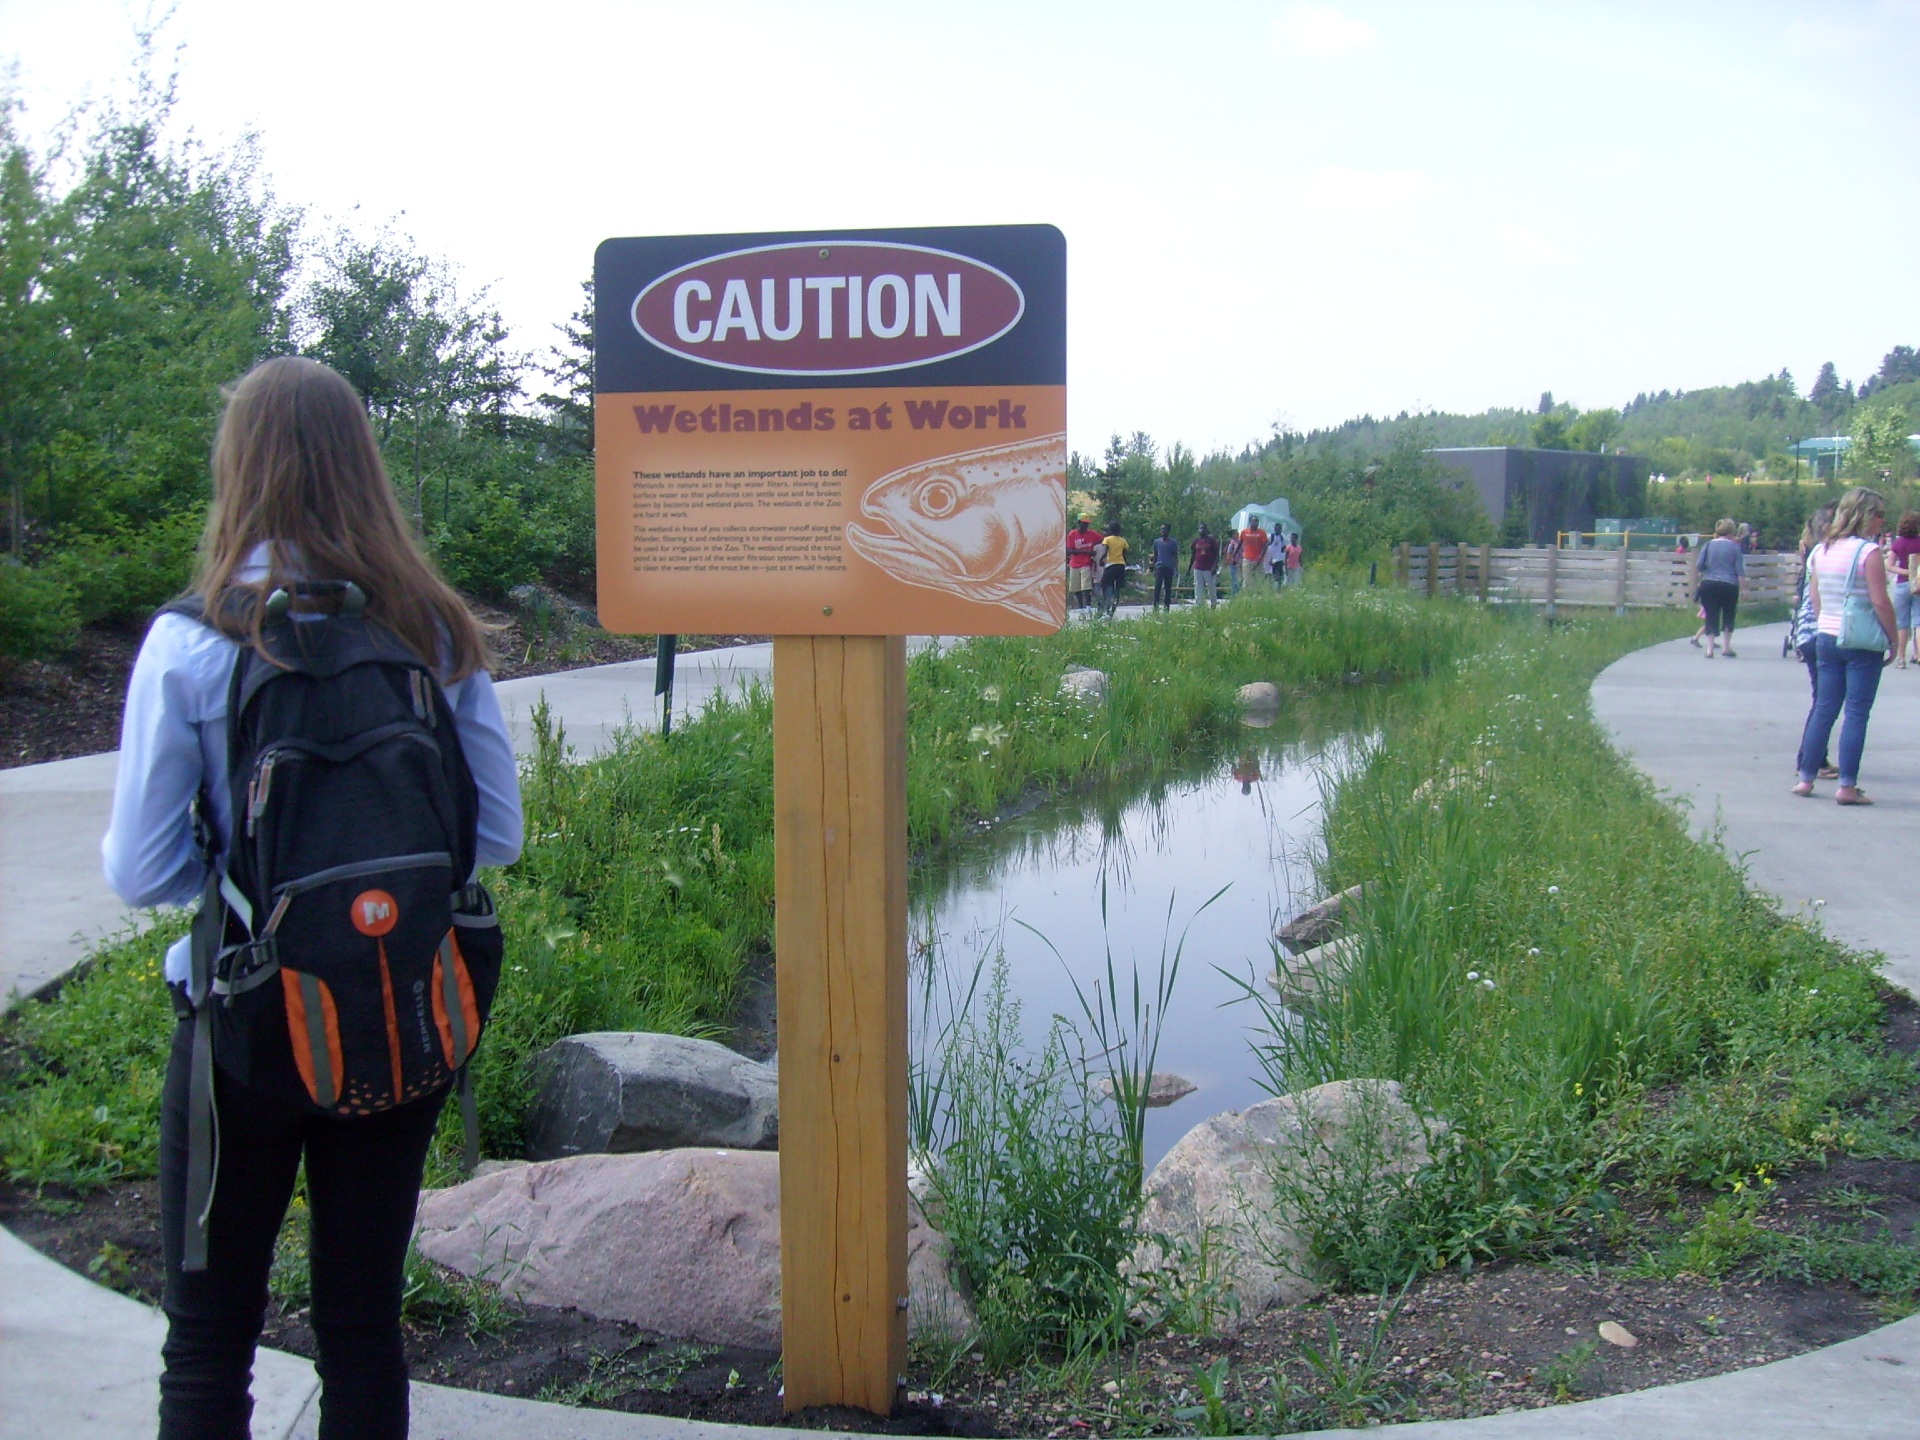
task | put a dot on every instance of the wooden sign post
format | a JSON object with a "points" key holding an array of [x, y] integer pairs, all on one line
{"points": [[840, 941], [840, 440]]}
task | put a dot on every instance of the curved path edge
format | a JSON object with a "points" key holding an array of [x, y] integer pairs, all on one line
{"points": [[79, 1361]]}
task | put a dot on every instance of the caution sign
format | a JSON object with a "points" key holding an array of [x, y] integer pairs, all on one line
{"points": [[835, 433]]}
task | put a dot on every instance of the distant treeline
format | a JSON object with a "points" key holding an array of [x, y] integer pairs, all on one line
{"points": [[141, 271]]}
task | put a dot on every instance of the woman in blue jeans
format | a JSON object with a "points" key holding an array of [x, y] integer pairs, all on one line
{"points": [[1847, 564]]}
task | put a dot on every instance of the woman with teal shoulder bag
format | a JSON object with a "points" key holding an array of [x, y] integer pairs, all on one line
{"points": [[1855, 625]]}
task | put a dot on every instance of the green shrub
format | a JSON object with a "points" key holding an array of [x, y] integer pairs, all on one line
{"points": [[126, 572], [37, 614], [494, 541]]}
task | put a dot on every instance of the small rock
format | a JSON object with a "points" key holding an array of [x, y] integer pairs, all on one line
{"points": [[1088, 684], [1442, 784], [1261, 694], [1615, 1333], [614, 1091], [1319, 922], [1311, 977], [1162, 1089]]}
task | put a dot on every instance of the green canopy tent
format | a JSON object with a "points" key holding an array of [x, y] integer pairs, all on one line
{"points": [[1275, 517]]}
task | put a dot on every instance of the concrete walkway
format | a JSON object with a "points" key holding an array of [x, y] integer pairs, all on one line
{"points": [[79, 1362], [1721, 736]]}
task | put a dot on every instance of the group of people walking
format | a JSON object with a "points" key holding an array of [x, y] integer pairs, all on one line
{"points": [[1252, 557]]}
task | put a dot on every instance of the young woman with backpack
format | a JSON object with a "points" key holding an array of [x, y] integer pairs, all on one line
{"points": [[313, 747]]}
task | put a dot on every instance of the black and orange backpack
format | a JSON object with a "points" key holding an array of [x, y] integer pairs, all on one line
{"points": [[344, 957]]}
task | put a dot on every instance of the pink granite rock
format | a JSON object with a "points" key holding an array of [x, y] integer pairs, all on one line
{"points": [[685, 1243]]}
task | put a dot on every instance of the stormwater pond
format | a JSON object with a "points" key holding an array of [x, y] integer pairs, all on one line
{"points": [[1128, 872]]}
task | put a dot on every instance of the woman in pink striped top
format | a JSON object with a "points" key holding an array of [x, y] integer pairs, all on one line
{"points": [[1846, 564]]}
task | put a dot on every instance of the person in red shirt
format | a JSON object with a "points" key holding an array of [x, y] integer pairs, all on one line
{"points": [[1293, 559], [1253, 553], [1203, 559], [1082, 541]]}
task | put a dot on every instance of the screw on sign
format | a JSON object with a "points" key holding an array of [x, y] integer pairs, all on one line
{"points": [[839, 439]]}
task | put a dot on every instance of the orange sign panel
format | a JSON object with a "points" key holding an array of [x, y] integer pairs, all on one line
{"points": [[833, 435]]}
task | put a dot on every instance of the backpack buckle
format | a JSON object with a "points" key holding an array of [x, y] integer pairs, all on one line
{"points": [[240, 968]]}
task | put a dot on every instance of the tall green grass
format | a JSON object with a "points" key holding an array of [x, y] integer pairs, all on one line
{"points": [[1588, 998], [647, 881]]}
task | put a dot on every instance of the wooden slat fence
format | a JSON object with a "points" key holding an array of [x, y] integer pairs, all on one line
{"points": [[1544, 575]]}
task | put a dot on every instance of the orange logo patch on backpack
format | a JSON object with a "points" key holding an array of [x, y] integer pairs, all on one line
{"points": [[375, 912]]}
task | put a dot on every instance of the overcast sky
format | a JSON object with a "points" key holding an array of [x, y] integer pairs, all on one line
{"points": [[1275, 212]]}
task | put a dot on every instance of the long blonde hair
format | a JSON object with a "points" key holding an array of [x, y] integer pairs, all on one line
{"points": [[296, 467], [1856, 513]]}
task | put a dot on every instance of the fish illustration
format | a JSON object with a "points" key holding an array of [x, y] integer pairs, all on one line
{"points": [[987, 525]]}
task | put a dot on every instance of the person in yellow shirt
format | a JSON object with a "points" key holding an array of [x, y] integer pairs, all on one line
{"points": [[1114, 574]]}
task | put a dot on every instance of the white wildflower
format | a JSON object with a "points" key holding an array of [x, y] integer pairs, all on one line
{"points": [[1473, 974], [1488, 982]]}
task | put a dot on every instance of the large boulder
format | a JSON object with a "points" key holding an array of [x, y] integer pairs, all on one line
{"points": [[685, 1243], [614, 1091], [1217, 1185]]}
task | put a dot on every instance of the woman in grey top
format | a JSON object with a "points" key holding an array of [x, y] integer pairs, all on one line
{"points": [[1722, 567]]}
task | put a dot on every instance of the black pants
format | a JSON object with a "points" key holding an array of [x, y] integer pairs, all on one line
{"points": [[363, 1181], [1162, 587], [1719, 599]]}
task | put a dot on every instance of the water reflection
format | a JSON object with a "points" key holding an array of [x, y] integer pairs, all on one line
{"points": [[1248, 820]]}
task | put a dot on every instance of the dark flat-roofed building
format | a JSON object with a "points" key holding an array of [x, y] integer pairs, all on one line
{"points": [[1532, 495]]}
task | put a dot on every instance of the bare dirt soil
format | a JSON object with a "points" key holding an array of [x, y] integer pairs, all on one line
{"points": [[1506, 1337]]}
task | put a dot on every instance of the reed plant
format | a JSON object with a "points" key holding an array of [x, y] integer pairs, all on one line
{"points": [[1546, 959]]}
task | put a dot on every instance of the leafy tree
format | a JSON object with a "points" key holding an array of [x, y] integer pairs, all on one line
{"points": [[568, 368], [1898, 366], [127, 301], [422, 355], [1828, 396], [28, 334], [1124, 483], [1593, 430], [1880, 449], [1550, 432]]}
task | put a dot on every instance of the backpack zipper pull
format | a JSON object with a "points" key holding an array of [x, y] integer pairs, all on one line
{"points": [[257, 791]]}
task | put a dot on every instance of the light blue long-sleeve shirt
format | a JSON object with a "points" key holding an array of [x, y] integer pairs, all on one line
{"points": [[174, 738]]}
